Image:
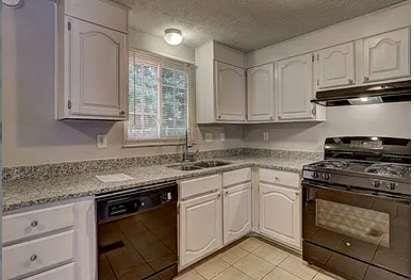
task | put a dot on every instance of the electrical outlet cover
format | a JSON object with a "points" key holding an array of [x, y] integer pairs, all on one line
{"points": [[101, 141]]}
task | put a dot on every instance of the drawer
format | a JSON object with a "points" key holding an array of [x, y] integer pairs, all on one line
{"points": [[38, 254], [66, 272], [28, 224], [279, 177], [237, 176], [199, 186]]}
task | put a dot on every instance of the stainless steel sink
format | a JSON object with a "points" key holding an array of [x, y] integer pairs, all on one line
{"points": [[198, 165], [211, 163]]}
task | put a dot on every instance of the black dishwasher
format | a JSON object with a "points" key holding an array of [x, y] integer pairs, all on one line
{"points": [[137, 233]]}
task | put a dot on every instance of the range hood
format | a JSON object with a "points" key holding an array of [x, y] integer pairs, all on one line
{"points": [[370, 94]]}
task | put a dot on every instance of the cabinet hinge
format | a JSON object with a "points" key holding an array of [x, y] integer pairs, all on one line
{"points": [[69, 104], [313, 58], [69, 26]]}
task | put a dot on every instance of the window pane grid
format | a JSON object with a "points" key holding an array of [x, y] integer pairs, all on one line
{"points": [[157, 101]]}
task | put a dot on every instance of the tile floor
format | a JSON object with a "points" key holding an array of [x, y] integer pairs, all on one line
{"points": [[253, 259]]}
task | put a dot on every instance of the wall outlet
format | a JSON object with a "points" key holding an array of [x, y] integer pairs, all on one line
{"points": [[266, 136], [101, 141]]}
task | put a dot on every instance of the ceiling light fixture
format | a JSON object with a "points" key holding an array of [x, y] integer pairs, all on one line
{"points": [[173, 36]]}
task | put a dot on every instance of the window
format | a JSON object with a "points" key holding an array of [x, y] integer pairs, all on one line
{"points": [[158, 98]]}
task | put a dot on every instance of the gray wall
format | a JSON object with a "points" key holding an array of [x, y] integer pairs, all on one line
{"points": [[392, 119], [31, 134]]}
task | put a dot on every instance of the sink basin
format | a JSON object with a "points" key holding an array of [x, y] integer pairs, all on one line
{"points": [[198, 165], [211, 163]]}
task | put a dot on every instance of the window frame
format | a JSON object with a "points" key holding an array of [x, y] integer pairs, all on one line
{"points": [[168, 63]]}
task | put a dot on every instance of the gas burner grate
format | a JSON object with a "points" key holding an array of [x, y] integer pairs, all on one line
{"points": [[336, 164], [389, 169]]}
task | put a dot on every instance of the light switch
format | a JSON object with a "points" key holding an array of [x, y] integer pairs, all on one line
{"points": [[101, 141]]}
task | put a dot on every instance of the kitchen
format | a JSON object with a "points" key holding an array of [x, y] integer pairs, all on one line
{"points": [[100, 111]]}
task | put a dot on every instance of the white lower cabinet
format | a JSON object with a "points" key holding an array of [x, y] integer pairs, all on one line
{"points": [[51, 242], [279, 212], [237, 214], [200, 227]]}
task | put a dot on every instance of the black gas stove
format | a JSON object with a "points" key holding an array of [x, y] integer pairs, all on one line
{"points": [[356, 208]]}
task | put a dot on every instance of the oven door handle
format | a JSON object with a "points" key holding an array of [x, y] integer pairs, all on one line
{"points": [[357, 191]]}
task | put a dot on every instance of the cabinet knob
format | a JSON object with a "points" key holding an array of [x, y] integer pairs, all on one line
{"points": [[277, 179], [272, 118], [350, 81], [33, 258], [219, 195], [219, 117], [34, 224], [366, 79], [348, 244], [122, 113]]}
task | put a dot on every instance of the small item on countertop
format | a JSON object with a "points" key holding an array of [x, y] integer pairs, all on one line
{"points": [[110, 178]]}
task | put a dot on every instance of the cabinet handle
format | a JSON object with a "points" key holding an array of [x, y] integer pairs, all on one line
{"points": [[366, 79], [272, 118], [33, 258], [227, 192], [350, 81], [34, 224], [219, 195], [297, 193]]}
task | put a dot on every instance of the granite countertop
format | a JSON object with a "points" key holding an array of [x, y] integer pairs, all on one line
{"points": [[25, 193]]}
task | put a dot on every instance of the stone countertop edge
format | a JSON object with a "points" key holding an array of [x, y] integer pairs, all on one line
{"points": [[27, 193]]}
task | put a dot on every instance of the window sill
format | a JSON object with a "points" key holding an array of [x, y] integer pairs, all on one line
{"points": [[140, 144]]}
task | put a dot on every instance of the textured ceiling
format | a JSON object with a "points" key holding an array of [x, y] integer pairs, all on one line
{"points": [[244, 24]]}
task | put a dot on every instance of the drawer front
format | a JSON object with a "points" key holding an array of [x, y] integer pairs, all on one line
{"points": [[28, 224], [66, 272], [199, 186], [237, 176], [279, 177], [38, 254]]}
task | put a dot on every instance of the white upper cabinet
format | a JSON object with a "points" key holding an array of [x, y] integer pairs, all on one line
{"points": [[294, 88], [260, 93], [98, 70], [237, 214], [91, 60], [230, 92], [386, 56], [285, 227], [335, 67], [220, 84]]}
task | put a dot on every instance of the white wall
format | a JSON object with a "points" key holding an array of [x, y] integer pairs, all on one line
{"points": [[392, 119], [31, 134]]}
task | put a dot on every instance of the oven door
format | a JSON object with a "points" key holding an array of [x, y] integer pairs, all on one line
{"points": [[357, 234]]}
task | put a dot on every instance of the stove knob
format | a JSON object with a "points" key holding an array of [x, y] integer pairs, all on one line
{"points": [[376, 184], [315, 175], [326, 176], [392, 186]]}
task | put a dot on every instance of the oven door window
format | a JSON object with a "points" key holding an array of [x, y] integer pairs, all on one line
{"points": [[358, 223]]}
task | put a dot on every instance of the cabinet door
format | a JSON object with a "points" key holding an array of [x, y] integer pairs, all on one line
{"points": [[260, 93], [280, 214], [295, 89], [387, 56], [335, 66], [237, 213], [200, 228], [96, 71], [230, 92]]}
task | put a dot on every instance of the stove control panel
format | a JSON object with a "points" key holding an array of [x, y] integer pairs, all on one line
{"points": [[317, 175], [384, 185]]}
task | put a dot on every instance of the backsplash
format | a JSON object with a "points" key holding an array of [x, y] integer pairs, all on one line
{"points": [[46, 171]]}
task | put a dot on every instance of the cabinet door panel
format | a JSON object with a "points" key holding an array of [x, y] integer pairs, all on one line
{"points": [[280, 214], [260, 92], [230, 92], [200, 228], [335, 66], [97, 70], [295, 89], [386, 56], [237, 212]]}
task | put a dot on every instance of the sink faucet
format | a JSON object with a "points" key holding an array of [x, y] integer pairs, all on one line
{"points": [[187, 154]]}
